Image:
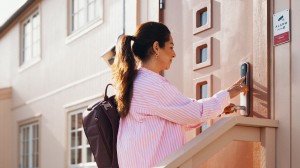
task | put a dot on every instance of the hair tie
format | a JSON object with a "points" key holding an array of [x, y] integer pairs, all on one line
{"points": [[132, 38]]}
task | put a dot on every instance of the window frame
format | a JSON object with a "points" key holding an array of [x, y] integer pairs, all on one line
{"points": [[87, 25], [23, 64], [25, 123], [208, 80], [84, 142], [204, 6], [201, 90], [197, 46], [74, 108]]}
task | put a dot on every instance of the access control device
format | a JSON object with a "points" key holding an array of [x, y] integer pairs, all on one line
{"points": [[245, 99]]}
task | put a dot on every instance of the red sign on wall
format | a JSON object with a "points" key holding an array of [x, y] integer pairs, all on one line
{"points": [[281, 27]]}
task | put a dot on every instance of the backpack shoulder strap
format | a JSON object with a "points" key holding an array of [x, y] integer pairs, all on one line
{"points": [[105, 94]]}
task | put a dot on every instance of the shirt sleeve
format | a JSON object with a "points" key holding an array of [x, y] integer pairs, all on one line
{"points": [[172, 105]]}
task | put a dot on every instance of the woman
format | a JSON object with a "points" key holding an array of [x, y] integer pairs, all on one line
{"points": [[153, 112]]}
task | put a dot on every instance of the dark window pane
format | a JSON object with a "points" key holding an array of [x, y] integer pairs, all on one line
{"points": [[79, 156], [73, 156], [79, 142], [79, 120], [73, 122], [89, 155], [73, 138]]}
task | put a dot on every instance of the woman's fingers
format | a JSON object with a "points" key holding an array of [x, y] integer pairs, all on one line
{"points": [[240, 80], [238, 87]]}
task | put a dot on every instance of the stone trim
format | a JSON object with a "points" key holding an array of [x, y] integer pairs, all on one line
{"points": [[5, 93]]}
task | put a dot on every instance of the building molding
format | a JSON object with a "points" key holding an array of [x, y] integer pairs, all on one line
{"points": [[70, 85], [20, 13], [5, 93], [83, 102], [67, 86]]}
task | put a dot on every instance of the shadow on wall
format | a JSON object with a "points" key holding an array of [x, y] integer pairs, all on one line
{"points": [[261, 93]]}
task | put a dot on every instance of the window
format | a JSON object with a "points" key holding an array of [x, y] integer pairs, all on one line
{"points": [[84, 12], [29, 145], [202, 87], [31, 40], [202, 90], [202, 16], [202, 54], [80, 154]]}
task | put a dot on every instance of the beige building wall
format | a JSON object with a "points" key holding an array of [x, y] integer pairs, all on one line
{"points": [[286, 89], [282, 75], [70, 74], [5, 129], [70, 70], [6, 46], [295, 83]]}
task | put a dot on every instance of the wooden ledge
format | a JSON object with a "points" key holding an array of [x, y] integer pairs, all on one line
{"points": [[226, 129], [5, 93]]}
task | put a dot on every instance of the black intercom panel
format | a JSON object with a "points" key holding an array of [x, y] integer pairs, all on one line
{"points": [[245, 99]]}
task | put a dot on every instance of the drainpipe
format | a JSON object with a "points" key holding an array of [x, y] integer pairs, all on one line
{"points": [[123, 17]]}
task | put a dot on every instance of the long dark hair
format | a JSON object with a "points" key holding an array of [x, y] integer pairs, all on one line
{"points": [[125, 64]]}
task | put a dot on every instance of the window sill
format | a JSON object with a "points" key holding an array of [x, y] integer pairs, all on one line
{"points": [[85, 29], [29, 64]]}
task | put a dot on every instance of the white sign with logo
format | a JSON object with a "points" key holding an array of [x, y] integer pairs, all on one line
{"points": [[281, 27]]}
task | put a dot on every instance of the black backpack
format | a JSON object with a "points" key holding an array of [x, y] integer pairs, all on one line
{"points": [[101, 124]]}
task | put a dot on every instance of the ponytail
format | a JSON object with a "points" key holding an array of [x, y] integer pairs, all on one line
{"points": [[124, 68], [124, 72]]}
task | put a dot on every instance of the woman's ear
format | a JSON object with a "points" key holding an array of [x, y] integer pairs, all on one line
{"points": [[155, 46]]}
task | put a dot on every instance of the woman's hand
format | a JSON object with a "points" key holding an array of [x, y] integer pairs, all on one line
{"points": [[237, 88]]}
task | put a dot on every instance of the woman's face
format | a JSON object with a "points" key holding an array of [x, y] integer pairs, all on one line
{"points": [[166, 54]]}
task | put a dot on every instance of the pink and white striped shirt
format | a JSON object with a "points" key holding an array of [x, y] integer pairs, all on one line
{"points": [[154, 127]]}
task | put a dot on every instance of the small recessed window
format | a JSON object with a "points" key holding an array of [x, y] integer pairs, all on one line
{"points": [[202, 89], [201, 17], [201, 54], [204, 126]]}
